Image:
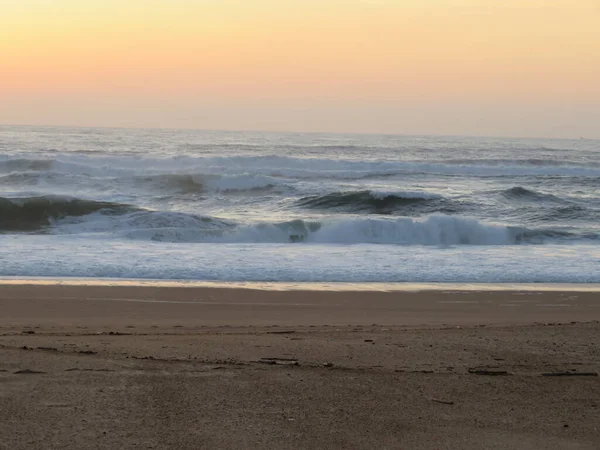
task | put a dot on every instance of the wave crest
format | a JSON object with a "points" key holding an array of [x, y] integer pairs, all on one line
{"points": [[521, 193], [380, 202], [34, 213]]}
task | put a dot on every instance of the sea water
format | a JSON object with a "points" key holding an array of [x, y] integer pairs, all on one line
{"points": [[297, 207]]}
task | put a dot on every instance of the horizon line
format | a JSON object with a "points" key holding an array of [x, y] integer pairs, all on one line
{"points": [[357, 133]]}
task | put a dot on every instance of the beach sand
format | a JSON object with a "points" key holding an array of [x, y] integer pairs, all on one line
{"points": [[108, 367]]}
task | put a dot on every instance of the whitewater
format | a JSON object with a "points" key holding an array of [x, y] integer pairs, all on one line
{"points": [[297, 207]]}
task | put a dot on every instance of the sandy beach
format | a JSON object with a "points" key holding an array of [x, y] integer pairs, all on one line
{"points": [[165, 367]]}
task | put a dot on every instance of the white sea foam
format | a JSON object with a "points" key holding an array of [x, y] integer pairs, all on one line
{"points": [[63, 256], [434, 230], [177, 227]]}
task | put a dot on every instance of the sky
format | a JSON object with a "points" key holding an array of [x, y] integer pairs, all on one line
{"points": [[462, 67]]}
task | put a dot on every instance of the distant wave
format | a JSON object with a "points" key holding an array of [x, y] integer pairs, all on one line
{"points": [[48, 178], [34, 213], [24, 178], [493, 170], [544, 207], [521, 193], [24, 164], [525, 162], [303, 168], [369, 201], [562, 214], [243, 182], [331, 168], [186, 183], [180, 182]]}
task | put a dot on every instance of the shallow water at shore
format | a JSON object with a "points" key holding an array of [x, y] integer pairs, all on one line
{"points": [[308, 286]]}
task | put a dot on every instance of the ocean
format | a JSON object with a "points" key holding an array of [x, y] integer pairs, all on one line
{"points": [[297, 207]]}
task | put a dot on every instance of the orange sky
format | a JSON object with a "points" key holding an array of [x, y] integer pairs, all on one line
{"points": [[521, 68]]}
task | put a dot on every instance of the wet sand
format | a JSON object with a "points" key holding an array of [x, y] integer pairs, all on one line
{"points": [[165, 367]]}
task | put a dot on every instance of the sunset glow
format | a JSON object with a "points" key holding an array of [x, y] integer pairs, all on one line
{"points": [[440, 66]]}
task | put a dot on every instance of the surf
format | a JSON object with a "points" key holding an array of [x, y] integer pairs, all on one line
{"points": [[35, 213]]}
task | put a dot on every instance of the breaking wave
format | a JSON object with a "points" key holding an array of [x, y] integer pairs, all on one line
{"points": [[35, 213], [434, 230], [439, 230]]}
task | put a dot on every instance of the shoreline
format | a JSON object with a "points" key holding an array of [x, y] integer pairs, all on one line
{"points": [[305, 286]]}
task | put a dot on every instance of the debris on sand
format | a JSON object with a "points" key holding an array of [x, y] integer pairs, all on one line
{"points": [[28, 372], [280, 361], [491, 372]]}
